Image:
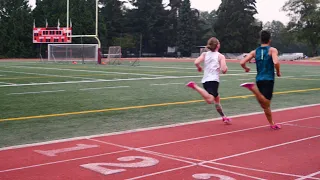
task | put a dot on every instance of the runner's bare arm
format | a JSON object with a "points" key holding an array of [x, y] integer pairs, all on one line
{"points": [[223, 64], [274, 54], [243, 62], [198, 61]]}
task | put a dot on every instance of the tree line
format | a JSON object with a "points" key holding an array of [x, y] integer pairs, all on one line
{"points": [[155, 26]]}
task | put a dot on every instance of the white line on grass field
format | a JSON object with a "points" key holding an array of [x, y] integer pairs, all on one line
{"points": [[310, 75], [181, 68], [89, 71], [39, 92], [7, 83], [284, 77], [49, 75], [115, 87], [116, 80], [166, 84]]}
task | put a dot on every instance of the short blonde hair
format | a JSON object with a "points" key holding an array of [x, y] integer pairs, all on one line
{"points": [[213, 44]]}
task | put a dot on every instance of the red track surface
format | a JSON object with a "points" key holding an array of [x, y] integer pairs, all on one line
{"points": [[248, 149]]}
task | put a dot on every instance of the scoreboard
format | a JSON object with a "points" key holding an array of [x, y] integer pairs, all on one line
{"points": [[52, 35]]}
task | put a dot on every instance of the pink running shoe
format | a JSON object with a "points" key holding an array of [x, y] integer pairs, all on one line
{"points": [[275, 127], [226, 120], [191, 84], [247, 85]]}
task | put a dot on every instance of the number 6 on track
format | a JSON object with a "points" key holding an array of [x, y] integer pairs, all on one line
{"points": [[99, 167]]}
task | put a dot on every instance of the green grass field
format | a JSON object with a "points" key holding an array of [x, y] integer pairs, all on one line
{"points": [[41, 102]]}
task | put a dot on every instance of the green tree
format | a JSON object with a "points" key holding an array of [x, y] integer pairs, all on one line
{"points": [[305, 21], [149, 19], [185, 29], [113, 19], [236, 26], [208, 20], [16, 29]]}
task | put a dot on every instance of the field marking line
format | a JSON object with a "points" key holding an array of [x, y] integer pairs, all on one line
{"points": [[114, 87], [114, 80], [258, 170], [86, 89], [83, 76], [48, 75], [150, 128], [6, 83], [181, 158], [39, 92], [310, 75], [142, 106], [159, 154], [262, 149], [309, 176], [305, 79], [296, 125], [231, 172], [62, 161], [161, 172], [90, 71], [221, 134], [166, 84]]}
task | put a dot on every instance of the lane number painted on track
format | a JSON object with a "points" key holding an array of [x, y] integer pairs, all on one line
{"points": [[144, 162], [209, 176], [54, 152], [100, 167]]}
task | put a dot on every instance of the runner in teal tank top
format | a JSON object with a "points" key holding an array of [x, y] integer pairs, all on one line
{"points": [[266, 61]]}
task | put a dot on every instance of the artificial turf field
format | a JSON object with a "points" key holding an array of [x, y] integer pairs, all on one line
{"points": [[41, 101]]}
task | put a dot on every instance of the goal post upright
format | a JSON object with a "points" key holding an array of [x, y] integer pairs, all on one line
{"points": [[96, 28]]}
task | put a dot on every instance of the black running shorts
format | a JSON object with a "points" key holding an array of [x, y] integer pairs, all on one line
{"points": [[266, 88], [212, 88]]}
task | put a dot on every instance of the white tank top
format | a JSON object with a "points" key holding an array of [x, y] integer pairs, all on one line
{"points": [[211, 67]]}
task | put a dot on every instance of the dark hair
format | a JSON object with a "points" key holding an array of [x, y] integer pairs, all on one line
{"points": [[212, 44], [265, 37]]}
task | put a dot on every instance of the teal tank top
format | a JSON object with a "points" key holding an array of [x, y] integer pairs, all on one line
{"points": [[264, 63]]}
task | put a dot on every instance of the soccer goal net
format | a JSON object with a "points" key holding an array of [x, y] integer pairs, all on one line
{"points": [[83, 53], [114, 55]]}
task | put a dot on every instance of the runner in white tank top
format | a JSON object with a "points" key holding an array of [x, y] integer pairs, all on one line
{"points": [[211, 67], [214, 63]]}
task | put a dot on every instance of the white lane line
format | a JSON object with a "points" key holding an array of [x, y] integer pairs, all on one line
{"points": [[265, 148], [162, 172], [62, 161], [115, 87], [7, 83], [113, 80], [225, 133], [90, 71], [231, 172], [309, 176], [258, 170], [39, 92], [182, 68], [156, 128], [49, 75], [166, 84]]}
